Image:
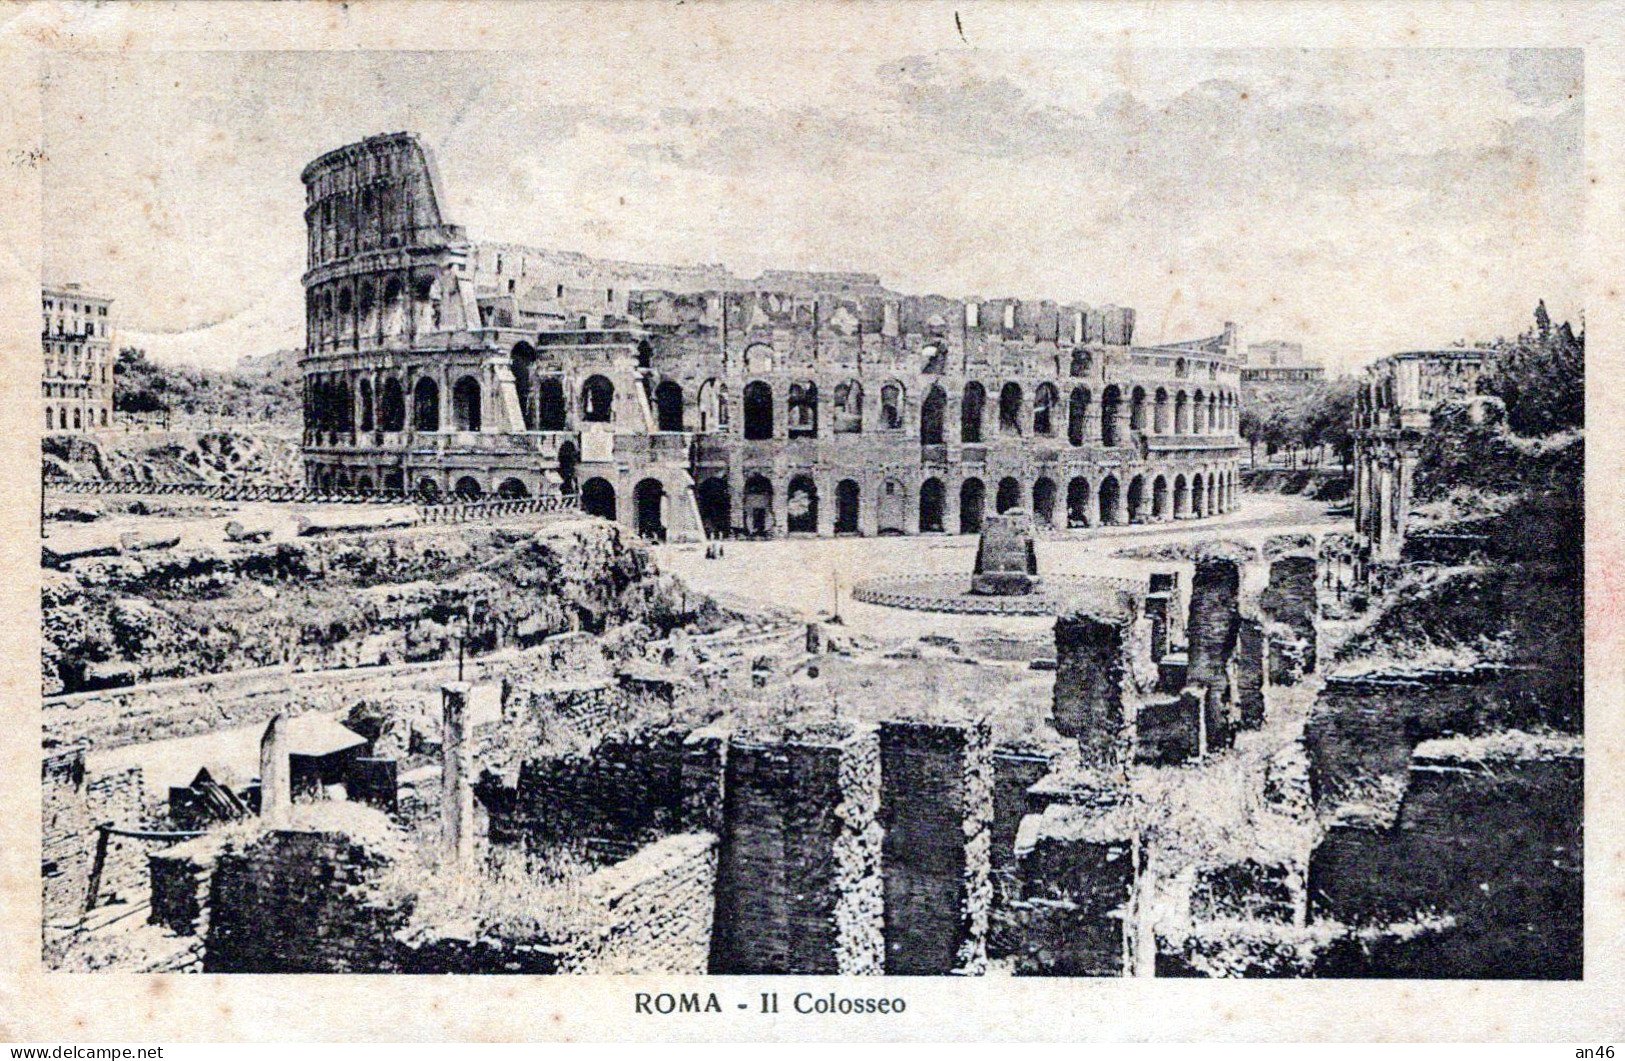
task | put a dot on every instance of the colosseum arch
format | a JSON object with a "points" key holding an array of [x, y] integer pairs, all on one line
{"points": [[716, 508], [426, 405], [758, 505], [758, 359], [649, 505], [1182, 414], [1212, 495], [972, 499], [1136, 410], [598, 498], [522, 361], [1199, 414], [848, 408], [713, 405], [394, 315], [1077, 416], [468, 486], [801, 506], [465, 404], [669, 406], [552, 412], [1077, 502], [932, 412], [933, 503], [512, 488], [1044, 501], [848, 497], [1159, 416], [391, 406], [1010, 409], [1198, 495], [1046, 399], [891, 513], [1182, 497], [1111, 403], [363, 484], [597, 400], [569, 458], [893, 405], [427, 488], [758, 411], [1136, 499], [1008, 496], [50, 415], [1111, 509], [802, 409], [1159, 498], [366, 405], [972, 408]]}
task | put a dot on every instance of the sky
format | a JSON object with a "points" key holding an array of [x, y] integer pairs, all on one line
{"points": [[1360, 202]]}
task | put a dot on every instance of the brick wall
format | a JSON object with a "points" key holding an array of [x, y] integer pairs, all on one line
{"points": [[305, 900], [1481, 872], [799, 886], [1094, 677], [1078, 871], [936, 809], [1290, 600], [1212, 631], [73, 807]]}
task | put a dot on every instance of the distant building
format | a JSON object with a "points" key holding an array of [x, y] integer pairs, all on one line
{"points": [[77, 337], [1278, 362]]}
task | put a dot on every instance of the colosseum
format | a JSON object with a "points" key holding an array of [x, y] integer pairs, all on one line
{"points": [[687, 402]]}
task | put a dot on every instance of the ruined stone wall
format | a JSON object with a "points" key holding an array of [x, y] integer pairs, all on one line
{"points": [[655, 911], [1290, 601], [1479, 876], [1078, 873], [937, 809], [302, 902], [1212, 630], [626, 791], [1362, 729], [799, 890], [74, 806], [1095, 687]]}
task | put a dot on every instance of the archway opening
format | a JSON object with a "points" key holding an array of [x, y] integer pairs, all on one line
{"points": [[847, 496], [1044, 502], [801, 506], [932, 503], [392, 406], [512, 489], [1010, 409], [1111, 402], [1159, 498], [758, 411], [932, 411], [971, 408], [551, 414], [426, 406], [758, 506], [972, 496], [1077, 416], [1008, 497], [1136, 499], [1045, 399], [1198, 496], [465, 404], [669, 406], [1111, 511], [598, 498], [597, 400], [892, 516], [716, 513], [802, 408], [649, 498], [1077, 502], [468, 486]]}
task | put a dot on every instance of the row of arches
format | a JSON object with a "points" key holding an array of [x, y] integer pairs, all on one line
{"points": [[1082, 417], [463, 487], [64, 418], [398, 304], [762, 509], [331, 405]]}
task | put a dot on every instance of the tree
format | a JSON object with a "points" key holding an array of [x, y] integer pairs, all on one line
{"points": [[1540, 377], [1328, 421]]}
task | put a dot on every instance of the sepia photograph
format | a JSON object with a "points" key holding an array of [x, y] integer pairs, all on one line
{"points": [[900, 506]]}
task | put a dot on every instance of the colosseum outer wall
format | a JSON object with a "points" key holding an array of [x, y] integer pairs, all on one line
{"points": [[684, 401]]}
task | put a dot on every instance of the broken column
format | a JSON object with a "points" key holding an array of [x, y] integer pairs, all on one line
{"points": [[456, 780], [1212, 630], [799, 887], [937, 809], [276, 787], [1094, 683], [1076, 915], [1290, 602]]}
